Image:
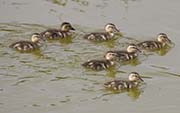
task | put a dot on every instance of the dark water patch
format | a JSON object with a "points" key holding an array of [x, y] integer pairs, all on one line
{"points": [[65, 100], [27, 77], [146, 77], [8, 75], [170, 73], [88, 90], [59, 78], [1, 89], [160, 67], [19, 3], [53, 104], [7, 30], [36, 105], [66, 2], [20, 82]]}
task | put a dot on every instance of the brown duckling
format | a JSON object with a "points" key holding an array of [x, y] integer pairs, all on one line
{"points": [[63, 32], [161, 42], [26, 46], [110, 30], [134, 81], [123, 55]]}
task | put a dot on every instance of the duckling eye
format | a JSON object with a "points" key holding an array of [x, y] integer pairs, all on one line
{"points": [[112, 27], [136, 76], [133, 47], [112, 54], [66, 26]]}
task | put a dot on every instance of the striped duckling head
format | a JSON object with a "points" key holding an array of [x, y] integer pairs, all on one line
{"points": [[110, 55], [111, 28], [66, 26], [134, 76], [36, 37], [163, 38], [132, 48]]}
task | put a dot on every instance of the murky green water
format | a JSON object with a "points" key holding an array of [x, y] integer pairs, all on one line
{"points": [[53, 81]]}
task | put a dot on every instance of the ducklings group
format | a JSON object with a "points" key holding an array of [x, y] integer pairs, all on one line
{"points": [[38, 39], [110, 57]]}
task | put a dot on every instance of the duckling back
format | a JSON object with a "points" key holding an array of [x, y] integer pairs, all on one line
{"points": [[55, 34], [122, 55], [150, 45], [120, 84], [24, 46], [98, 65], [98, 36]]}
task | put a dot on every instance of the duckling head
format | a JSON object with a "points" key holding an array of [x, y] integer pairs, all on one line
{"points": [[66, 26], [134, 76], [133, 48], [163, 38], [36, 37], [110, 55], [111, 28]]}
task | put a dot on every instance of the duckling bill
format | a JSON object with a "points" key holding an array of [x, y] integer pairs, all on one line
{"points": [[134, 81], [110, 30]]}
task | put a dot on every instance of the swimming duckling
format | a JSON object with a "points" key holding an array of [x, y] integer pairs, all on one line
{"points": [[63, 32], [133, 82], [110, 30], [98, 65], [26, 46], [130, 54], [161, 42]]}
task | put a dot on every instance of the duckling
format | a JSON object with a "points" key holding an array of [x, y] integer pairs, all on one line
{"points": [[63, 32], [161, 42], [130, 54], [99, 65], [133, 82], [110, 30], [27, 46]]}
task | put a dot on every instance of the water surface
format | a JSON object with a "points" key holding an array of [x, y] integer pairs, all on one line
{"points": [[52, 80]]}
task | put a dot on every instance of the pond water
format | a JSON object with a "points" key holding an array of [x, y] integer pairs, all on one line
{"points": [[53, 81]]}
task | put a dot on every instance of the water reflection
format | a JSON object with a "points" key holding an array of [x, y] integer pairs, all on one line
{"points": [[160, 52], [163, 52], [64, 41], [133, 62], [134, 93]]}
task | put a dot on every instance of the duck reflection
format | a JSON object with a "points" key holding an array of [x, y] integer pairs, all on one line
{"points": [[134, 93], [163, 51]]}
